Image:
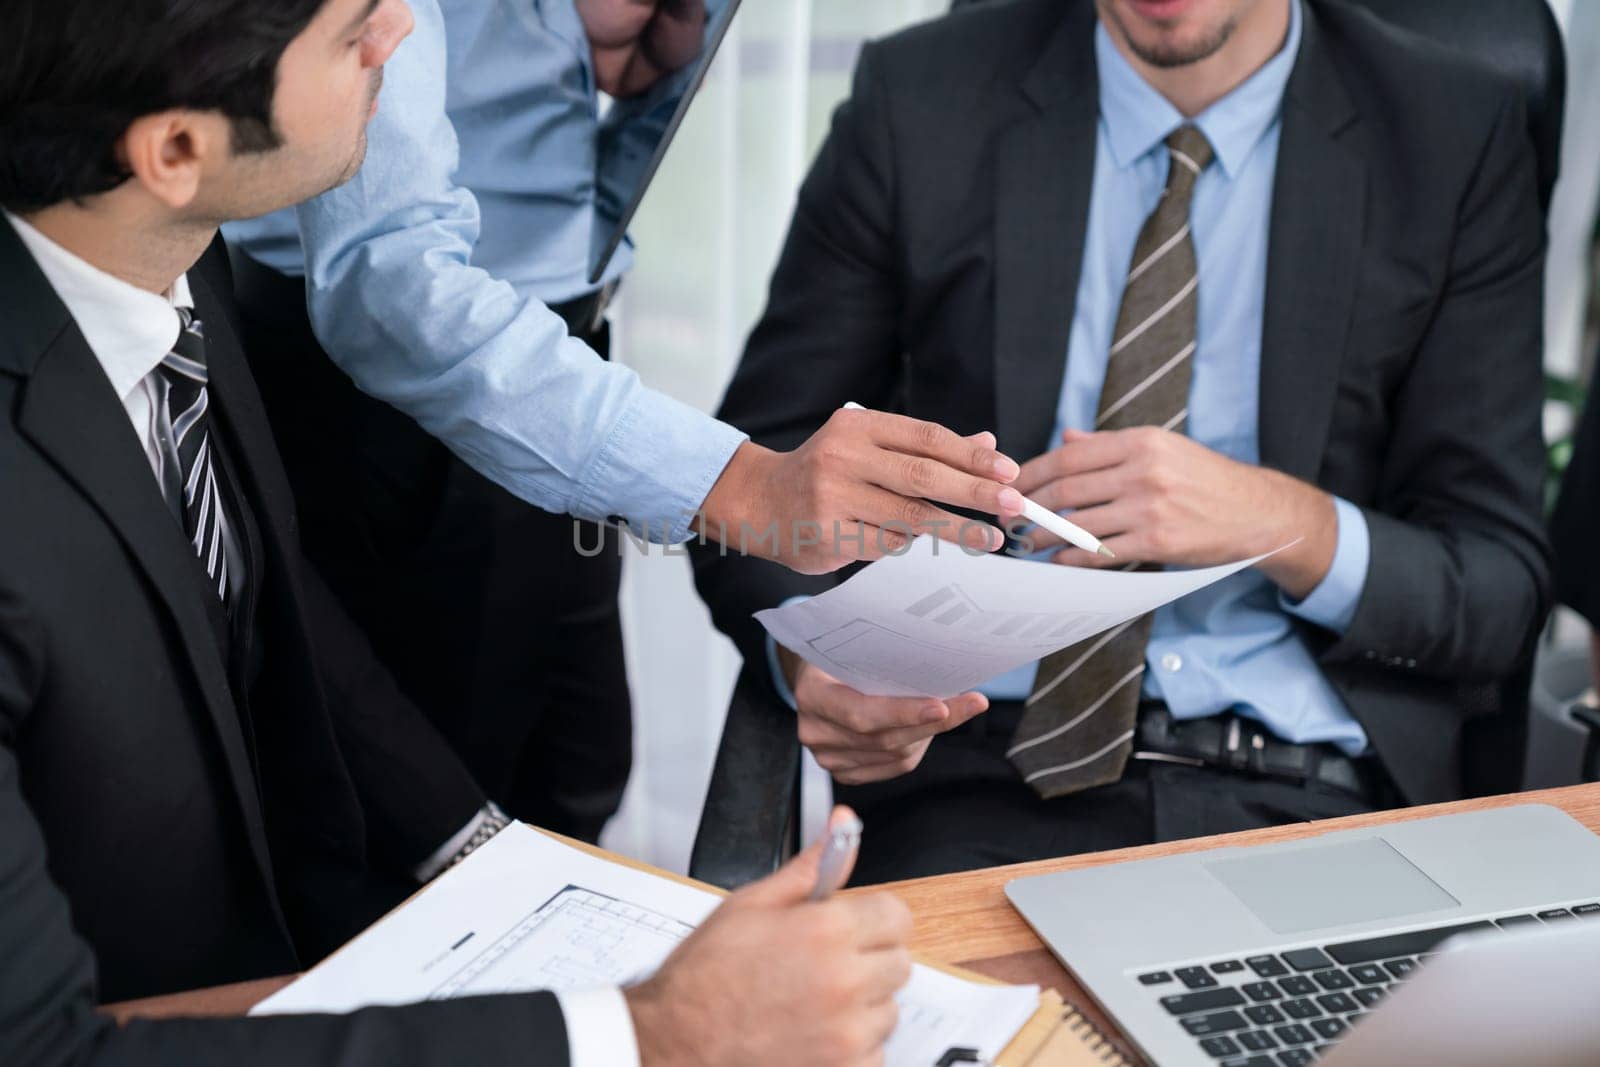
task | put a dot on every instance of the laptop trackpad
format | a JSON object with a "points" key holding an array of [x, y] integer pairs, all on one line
{"points": [[1330, 885]]}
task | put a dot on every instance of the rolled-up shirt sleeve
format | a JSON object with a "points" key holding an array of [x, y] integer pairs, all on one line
{"points": [[1332, 604], [399, 306]]}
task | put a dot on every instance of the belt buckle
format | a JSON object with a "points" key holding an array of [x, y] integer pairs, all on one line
{"points": [[1241, 755]]}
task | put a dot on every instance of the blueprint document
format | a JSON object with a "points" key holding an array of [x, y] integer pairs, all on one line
{"points": [[936, 621], [526, 912]]}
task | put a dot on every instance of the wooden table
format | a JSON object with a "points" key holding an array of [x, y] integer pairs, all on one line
{"points": [[965, 920]]}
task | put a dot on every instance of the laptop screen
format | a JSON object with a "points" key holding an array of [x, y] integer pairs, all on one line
{"points": [[651, 122]]}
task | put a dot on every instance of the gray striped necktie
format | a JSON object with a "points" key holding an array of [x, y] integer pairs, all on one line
{"points": [[188, 453], [1078, 727]]}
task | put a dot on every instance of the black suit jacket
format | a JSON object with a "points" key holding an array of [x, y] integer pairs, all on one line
{"points": [[184, 803], [1575, 527], [934, 257]]}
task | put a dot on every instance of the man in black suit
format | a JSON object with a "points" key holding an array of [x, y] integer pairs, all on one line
{"points": [[1306, 252], [205, 776]]}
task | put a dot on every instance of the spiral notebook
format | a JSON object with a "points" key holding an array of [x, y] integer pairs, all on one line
{"points": [[1061, 1036]]}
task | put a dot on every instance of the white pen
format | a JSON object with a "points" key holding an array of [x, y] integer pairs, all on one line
{"points": [[843, 840], [1043, 517]]}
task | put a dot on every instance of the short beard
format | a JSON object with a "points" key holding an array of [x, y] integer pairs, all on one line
{"points": [[1170, 58]]}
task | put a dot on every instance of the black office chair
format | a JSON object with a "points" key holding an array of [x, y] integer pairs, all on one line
{"points": [[750, 821]]}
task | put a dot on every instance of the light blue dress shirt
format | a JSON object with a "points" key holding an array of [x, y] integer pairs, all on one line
{"points": [[433, 299], [1231, 646]]}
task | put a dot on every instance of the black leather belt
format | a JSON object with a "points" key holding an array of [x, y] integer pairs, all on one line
{"points": [[1229, 742]]}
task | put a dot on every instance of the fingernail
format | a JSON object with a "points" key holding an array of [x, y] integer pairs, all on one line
{"points": [[1005, 468], [933, 714], [1010, 500]]}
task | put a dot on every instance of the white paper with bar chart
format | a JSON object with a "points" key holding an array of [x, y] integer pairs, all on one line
{"points": [[937, 621]]}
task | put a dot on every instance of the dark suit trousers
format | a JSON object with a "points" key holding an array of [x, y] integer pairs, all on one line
{"points": [[478, 602], [966, 807]]}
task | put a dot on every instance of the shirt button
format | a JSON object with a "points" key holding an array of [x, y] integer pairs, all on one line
{"points": [[1172, 663]]}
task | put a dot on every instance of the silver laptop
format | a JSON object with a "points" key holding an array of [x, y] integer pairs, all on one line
{"points": [[1270, 956]]}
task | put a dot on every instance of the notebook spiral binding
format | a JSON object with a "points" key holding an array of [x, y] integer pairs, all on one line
{"points": [[1092, 1038]]}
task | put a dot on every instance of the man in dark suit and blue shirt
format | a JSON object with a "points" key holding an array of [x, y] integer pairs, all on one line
{"points": [[1239, 274], [205, 776]]}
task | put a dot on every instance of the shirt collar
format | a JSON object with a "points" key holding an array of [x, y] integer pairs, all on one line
{"points": [[1137, 118], [129, 330]]}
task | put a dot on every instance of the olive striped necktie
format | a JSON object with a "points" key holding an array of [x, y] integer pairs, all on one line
{"points": [[1079, 723]]}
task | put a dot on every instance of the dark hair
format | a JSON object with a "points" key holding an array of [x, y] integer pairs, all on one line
{"points": [[74, 74]]}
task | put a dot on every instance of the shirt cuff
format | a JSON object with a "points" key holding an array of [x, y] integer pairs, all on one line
{"points": [[660, 460], [779, 682], [1332, 604], [599, 1029]]}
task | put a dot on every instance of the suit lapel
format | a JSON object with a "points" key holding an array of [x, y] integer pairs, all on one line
{"points": [[1044, 177], [1318, 216], [71, 415], [300, 733]]}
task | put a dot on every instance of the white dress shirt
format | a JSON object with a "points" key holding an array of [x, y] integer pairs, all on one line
{"points": [[130, 330]]}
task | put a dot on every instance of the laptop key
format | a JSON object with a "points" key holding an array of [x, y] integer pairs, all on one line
{"points": [[1555, 914], [1329, 1028], [1253, 1061], [1587, 911], [1308, 959], [1368, 996], [1294, 1034], [1517, 920], [1257, 1040], [1264, 1014], [1337, 1003], [1227, 967], [1261, 991], [1333, 980], [1221, 1047], [1296, 1057], [1297, 985], [1205, 1000], [1369, 974], [1155, 978], [1195, 977], [1411, 943], [1220, 1022], [1301, 1009], [1267, 966], [1400, 968]]}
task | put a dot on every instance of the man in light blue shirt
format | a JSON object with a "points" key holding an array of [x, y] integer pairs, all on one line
{"points": [[436, 562], [450, 282], [1208, 269]]}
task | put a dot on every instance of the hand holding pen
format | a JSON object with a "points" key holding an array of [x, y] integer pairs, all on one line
{"points": [[1047, 520]]}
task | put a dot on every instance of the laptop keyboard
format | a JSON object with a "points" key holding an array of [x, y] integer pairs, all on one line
{"points": [[1288, 1009]]}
